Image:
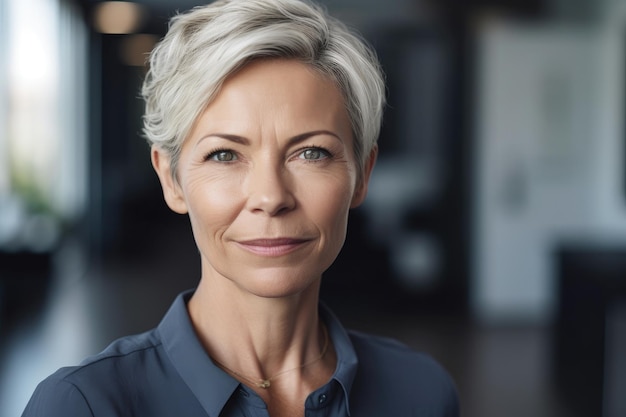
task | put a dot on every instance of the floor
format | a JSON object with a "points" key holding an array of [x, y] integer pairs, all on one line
{"points": [[501, 371]]}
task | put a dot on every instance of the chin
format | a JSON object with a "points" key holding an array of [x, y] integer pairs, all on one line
{"points": [[279, 284]]}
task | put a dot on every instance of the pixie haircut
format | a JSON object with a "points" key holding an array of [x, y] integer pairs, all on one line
{"points": [[207, 44]]}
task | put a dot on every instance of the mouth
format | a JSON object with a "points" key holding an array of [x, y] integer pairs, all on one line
{"points": [[272, 247]]}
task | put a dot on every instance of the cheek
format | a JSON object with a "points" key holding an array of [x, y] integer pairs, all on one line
{"points": [[328, 202], [331, 216], [213, 204]]}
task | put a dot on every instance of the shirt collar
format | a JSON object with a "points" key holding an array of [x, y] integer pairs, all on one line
{"points": [[347, 361], [212, 386]]}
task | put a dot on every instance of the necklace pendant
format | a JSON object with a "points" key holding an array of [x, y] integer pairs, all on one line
{"points": [[265, 384]]}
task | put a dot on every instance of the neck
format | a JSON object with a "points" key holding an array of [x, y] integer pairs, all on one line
{"points": [[272, 334]]}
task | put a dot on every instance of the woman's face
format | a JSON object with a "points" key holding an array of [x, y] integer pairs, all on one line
{"points": [[267, 177]]}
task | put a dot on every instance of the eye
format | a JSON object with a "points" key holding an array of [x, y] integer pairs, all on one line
{"points": [[314, 154], [221, 155]]}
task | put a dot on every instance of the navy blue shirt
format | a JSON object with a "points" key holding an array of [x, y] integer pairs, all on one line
{"points": [[167, 372]]}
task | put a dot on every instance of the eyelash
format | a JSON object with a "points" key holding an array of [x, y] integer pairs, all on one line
{"points": [[326, 154], [215, 152]]}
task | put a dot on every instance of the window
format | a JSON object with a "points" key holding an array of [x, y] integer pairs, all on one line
{"points": [[43, 117]]}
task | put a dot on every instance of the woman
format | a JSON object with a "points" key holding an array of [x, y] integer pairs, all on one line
{"points": [[263, 117]]}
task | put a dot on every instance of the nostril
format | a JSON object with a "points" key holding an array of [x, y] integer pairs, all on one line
{"points": [[270, 197]]}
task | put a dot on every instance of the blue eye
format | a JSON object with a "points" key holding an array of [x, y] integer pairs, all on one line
{"points": [[314, 154], [222, 155]]}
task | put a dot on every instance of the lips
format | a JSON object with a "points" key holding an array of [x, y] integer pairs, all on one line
{"points": [[272, 247]]}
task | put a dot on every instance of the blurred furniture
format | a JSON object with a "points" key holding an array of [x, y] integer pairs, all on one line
{"points": [[590, 334], [25, 279]]}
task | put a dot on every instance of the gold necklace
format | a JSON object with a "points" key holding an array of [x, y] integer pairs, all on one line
{"points": [[266, 383]]}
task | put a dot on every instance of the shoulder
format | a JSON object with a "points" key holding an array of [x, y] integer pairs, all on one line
{"points": [[410, 380], [75, 390], [57, 397], [123, 356], [383, 353]]}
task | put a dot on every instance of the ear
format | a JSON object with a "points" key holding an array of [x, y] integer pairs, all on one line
{"points": [[173, 194], [361, 188]]}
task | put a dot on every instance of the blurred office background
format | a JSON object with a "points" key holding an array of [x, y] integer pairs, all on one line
{"points": [[493, 237]]}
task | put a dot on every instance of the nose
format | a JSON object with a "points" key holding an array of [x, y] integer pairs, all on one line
{"points": [[269, 190]]}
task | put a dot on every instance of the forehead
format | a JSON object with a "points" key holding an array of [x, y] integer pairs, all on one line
{"points": [[277, 91]]}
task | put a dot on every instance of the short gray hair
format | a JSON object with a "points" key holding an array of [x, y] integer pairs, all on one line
{"points": [[208, 43]]}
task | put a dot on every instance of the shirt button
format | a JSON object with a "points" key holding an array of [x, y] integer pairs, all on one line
{"points": [[322, 398]]}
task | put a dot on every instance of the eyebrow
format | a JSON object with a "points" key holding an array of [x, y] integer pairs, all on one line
{"points": [[292, 141]]}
